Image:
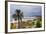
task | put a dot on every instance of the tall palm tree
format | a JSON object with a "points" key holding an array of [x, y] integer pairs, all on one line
{"points": [[18, 16]]}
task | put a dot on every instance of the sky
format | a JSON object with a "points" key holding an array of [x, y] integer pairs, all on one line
{"points": [[28, 10]]}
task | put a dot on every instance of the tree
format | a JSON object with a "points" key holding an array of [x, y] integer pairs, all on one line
{"points": [[38, 24], [18, 15]]}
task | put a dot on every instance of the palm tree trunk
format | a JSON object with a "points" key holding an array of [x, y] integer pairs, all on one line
{"points": [[18, 23], [21, 23]]}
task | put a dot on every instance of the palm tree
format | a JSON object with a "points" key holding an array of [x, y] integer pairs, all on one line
{"points": [[18, 16]]}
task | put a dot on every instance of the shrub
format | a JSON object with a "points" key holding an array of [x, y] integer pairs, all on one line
{"points": [[38, 24], [13, 26]]}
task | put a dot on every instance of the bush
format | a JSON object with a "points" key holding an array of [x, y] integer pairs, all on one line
{"points": [[33, 23], [38, 24], [13, 26]]}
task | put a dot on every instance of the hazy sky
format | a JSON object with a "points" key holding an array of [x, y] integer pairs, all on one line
{"points": [[28, 10]]}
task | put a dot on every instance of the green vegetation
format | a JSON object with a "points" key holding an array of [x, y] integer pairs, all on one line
{"points": [[33, 23], [39, 24], [36, 23], [13, 26]]}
